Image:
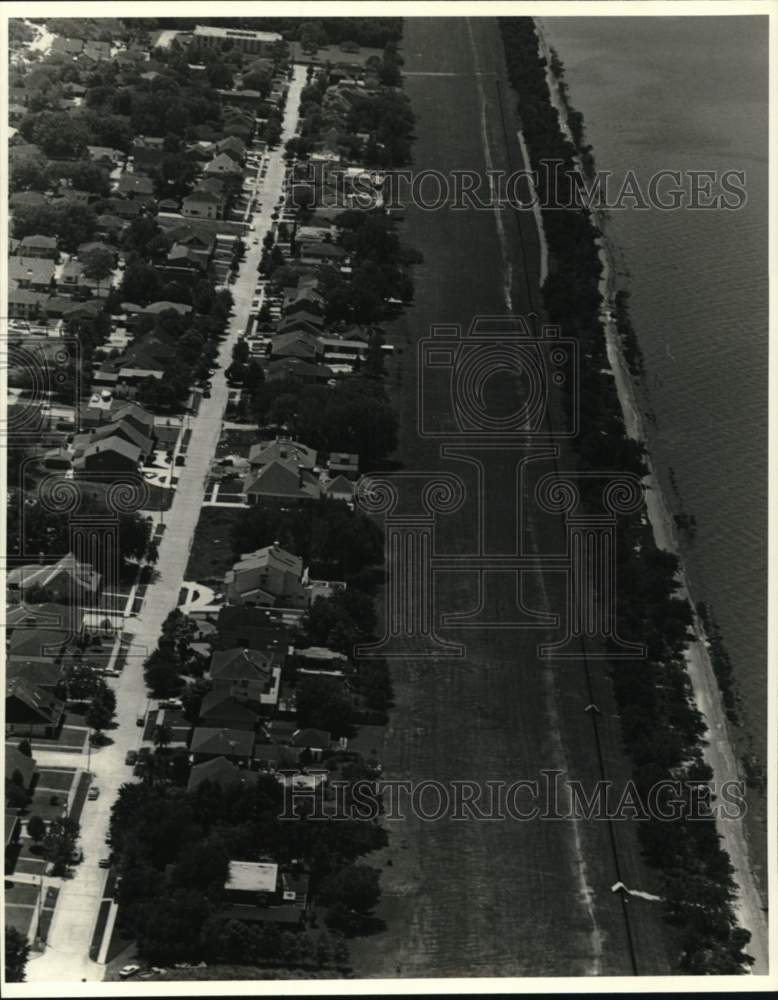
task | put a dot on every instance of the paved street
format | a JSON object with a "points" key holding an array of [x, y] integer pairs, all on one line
{"points": [[67, 955]]}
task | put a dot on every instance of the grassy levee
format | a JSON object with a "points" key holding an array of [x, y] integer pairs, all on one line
{"points": [[504, 897]]}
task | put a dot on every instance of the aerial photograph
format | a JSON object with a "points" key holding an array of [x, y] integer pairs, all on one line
{"points": [[385, 426]]}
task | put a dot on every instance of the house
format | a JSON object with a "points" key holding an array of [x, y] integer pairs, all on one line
{"points": [[282, 449], [277, 757], [134, 414], [269, 576], [96, 51], [254, 628], [220, 771], [281, 481], [43, 672], [110, 456], [84, 249], [202, 205], [65, 582], [340, 463], [185, 262], [321, 253], [244, 673], [339, 488], [49, 615], [299, 324], [297, 368], [31, 711], [260, 42], [316, 741], [33, 273], [305, 310], [251, 883], [168, 205], [110, 226], [124, 208], [38, 246], [133, 185], [148, 150], [314, 234], [67, 46], [263, 892], [236, 745], [25, 304], [232, 146], [296, 344], [223, 165], [221, 708], [157, 308], [105, 156], [124, 429], [20, 769], [320, 660]]}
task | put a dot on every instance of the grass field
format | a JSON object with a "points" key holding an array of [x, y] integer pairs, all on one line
{"points": [[211, 553], [501, 897]]}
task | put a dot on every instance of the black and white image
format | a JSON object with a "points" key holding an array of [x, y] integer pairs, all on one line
{"points": [[385, 401]]}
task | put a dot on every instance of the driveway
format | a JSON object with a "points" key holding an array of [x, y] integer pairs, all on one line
{"points": [[67, 956]]}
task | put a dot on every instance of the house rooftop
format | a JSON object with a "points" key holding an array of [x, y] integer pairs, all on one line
{"points": [[252, 876]]}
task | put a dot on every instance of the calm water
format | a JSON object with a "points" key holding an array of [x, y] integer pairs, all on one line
{"points": [[691, 94]]}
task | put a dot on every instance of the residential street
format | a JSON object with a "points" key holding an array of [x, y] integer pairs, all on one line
{"points": [[66, 958]]}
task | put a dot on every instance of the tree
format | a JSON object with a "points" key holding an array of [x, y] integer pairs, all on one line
{"points": [[58, 134], [323, 704], [80, 681], [141, 284], [163, 734], [98, 264], [36, 827], [192, 698], [16, 953], [101, 710], [351, 895], [312, 36], [77, 225], [59, 843], [161, 673], [24, 745]]}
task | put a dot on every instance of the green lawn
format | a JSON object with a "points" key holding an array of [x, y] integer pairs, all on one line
{"points": [[234, 442], [211, 554]]}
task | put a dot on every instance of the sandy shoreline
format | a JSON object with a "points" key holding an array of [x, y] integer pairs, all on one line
{"points": [[719, 751]]}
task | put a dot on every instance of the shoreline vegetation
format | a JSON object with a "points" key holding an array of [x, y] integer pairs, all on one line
{"points": [[662, 727]]}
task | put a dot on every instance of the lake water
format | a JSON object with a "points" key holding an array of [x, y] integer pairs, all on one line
{"points": [[687, 94]]}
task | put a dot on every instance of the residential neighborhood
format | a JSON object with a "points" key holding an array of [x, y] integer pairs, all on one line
{"points": [[192, 343]]}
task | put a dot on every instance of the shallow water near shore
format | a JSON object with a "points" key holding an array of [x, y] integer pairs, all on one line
{"points": [[690, 94]]}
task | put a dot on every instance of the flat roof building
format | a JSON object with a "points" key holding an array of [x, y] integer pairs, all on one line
{"points": [[246, 41]]}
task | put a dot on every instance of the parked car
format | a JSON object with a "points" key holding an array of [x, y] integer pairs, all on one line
{"points": [[180, 459], [173, 702], [128, 970], [104, 863], [141, 720], [94, 791], [131, 757]]}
